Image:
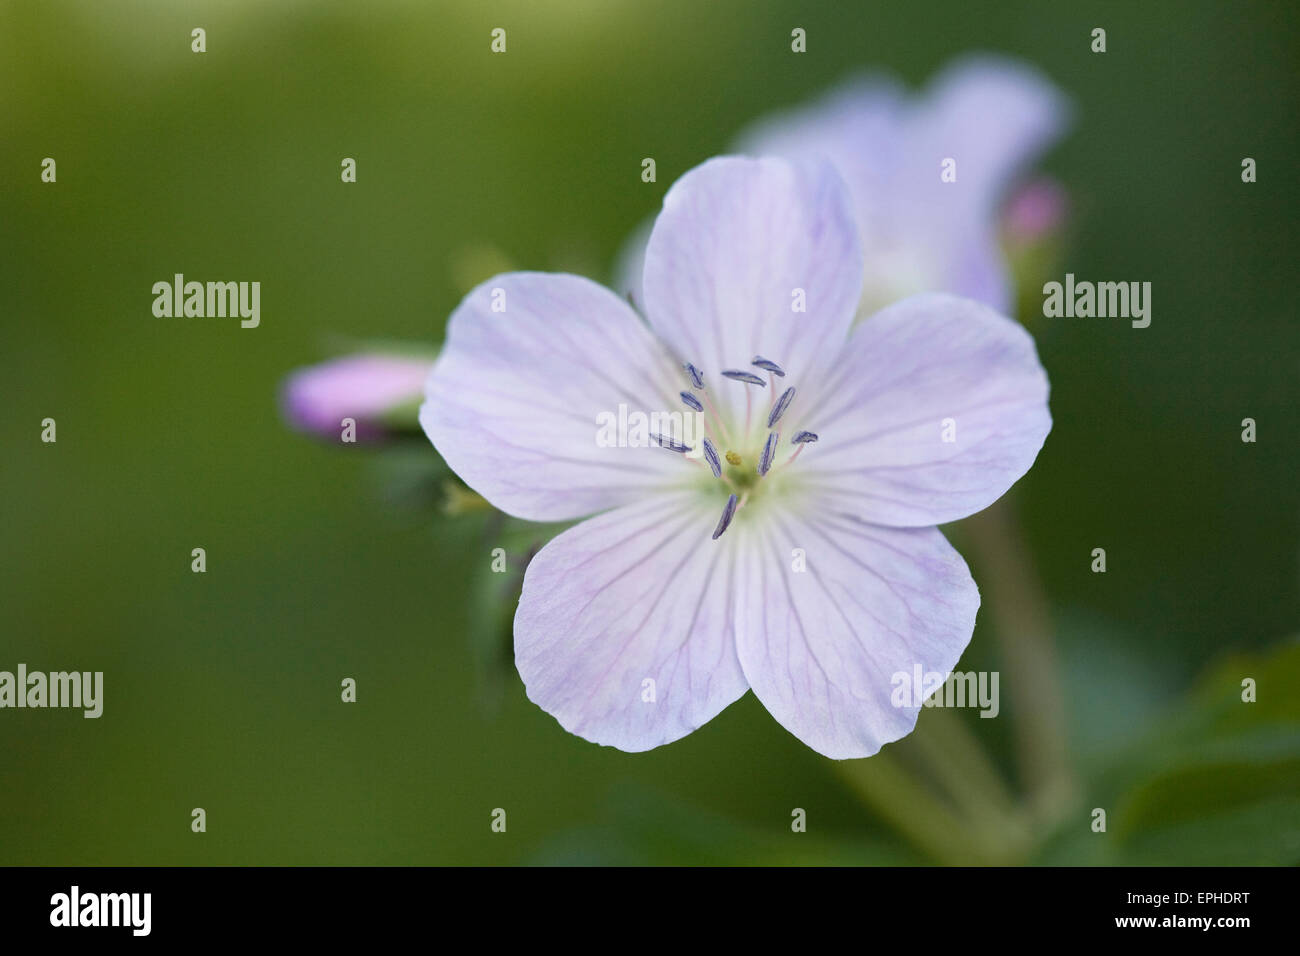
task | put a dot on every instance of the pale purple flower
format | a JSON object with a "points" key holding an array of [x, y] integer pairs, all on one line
{"points": [[366, 388], [700, 578], [990, 115]]}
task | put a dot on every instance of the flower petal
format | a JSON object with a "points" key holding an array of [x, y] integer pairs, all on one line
{"points": [[629, 264], [513, 401], [938, 406], [634, 595], [820, 647], [735, 239], [993, 115], [858, 127]]}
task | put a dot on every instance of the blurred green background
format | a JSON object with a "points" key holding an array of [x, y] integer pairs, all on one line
{"points": [[324, 562]]}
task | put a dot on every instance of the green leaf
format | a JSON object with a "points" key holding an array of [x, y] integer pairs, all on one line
{"points": [[1218, 783]]}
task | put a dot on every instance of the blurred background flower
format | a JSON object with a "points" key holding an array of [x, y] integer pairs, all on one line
{"points": [[928, 172]]}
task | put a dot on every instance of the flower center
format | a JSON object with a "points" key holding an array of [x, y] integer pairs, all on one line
{"points": [[740, 474], [745, 471]]}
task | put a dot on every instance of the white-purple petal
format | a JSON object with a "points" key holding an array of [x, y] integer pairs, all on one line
{"points": [[515, 401], [937, 407], [820, 646], [740, 246], [625, 631]]}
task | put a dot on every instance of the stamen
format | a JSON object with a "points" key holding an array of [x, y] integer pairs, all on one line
{"points": [[779, 408], [670, 444], [696, 378], [769, 451], [802, 440], [768, 366], [728, 513], [738, 375], [733, 458], [691, 402], [711, 456], [724, 431]]}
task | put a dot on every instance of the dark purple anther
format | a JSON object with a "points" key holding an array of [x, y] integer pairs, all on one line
{"points": [[711, 456], [749, 378], [728, 513], [779, 408], [769, 452], [670, 444]]}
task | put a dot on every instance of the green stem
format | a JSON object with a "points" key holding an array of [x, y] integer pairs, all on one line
{"points": [[885, 785], [956, 760], [1022, 623]]}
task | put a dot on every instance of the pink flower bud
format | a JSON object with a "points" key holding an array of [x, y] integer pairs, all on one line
{"points": [[1035, 211], [367, 388]]}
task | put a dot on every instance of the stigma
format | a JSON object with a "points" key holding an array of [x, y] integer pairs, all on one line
{"points": [[744, 469]]}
